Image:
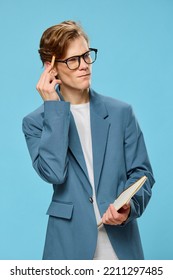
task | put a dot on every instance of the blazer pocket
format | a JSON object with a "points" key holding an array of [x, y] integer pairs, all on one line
{"points": [[60, 210]]}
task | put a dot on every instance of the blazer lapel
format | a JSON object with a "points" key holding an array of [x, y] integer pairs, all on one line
{"points": [[75, 146], [99, 129]]}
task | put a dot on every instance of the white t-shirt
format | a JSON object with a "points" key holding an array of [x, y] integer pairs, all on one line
{"points": [[81, 114]]}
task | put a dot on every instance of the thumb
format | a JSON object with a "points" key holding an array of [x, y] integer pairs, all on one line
{"points": [[126, 206]]}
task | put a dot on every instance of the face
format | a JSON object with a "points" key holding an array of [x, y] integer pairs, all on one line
{"points": [[79, 79]]}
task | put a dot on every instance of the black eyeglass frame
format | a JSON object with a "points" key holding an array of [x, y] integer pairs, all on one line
{"points": [[79, 58]]}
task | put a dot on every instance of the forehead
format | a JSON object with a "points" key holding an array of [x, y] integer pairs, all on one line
{"points": [[77, 47]]}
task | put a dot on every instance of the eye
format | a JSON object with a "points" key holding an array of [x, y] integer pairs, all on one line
{"points": [[87, 55], [73, 59]]}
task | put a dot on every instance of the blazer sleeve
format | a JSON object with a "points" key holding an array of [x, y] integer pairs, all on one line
{"points": [[137, 165], [47, 140]]}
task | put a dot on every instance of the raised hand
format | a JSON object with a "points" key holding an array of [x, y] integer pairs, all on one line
{"points": [[46, 84]]}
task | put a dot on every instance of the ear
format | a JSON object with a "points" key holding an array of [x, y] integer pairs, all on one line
{"points": [[46, 64]]}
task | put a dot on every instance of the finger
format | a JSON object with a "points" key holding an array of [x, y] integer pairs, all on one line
{"points": [[124, 214], [47, 83], [114, 217], [119, 218], [105, 218], [108, 218], [46, 88], [124, 209], [113, 211], [126, 206], [43, 79], [56, 82]]}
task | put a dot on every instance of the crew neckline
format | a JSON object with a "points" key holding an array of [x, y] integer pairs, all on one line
{"points": [[79, 106]]}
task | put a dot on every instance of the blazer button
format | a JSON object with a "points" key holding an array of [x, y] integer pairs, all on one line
{"points": [[91, 199]]}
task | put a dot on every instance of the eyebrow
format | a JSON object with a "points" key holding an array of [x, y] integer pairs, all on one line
{"points": [[76, 55]]}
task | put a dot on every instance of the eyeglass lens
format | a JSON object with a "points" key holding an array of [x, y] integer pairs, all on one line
{"points": [[74, 62]]}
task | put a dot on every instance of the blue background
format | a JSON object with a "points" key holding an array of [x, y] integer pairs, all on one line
{"points": [[135, 64]]}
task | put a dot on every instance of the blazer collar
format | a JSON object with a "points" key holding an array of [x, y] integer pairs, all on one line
{"points": [[97, 104]]}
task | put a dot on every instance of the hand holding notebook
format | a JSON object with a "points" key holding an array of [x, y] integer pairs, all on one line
{"points": [[127, 194]]}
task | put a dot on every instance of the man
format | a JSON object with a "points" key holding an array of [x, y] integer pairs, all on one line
{"points": [[90, 147]]}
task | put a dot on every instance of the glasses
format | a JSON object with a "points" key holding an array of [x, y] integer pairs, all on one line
{"points": [[73, 62]]}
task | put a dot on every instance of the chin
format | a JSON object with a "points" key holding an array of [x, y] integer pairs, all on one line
{"points": [[85, 86]]}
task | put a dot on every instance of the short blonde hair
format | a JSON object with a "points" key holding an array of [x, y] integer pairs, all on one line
{"points": [[55, 40]]}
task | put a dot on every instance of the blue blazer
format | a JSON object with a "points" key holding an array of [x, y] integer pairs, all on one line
{"points": [[119, 159]]}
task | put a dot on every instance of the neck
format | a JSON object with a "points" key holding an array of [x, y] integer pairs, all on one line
{"points": [[75, 97]]}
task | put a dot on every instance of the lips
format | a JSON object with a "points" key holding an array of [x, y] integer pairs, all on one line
{"points": [[85, 75]]}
